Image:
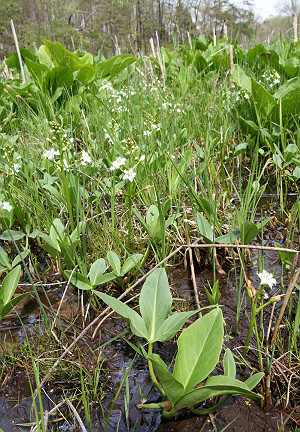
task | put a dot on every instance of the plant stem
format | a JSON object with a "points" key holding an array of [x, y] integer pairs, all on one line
{"points": [[250, 329], [209, 410], [152, 374]]}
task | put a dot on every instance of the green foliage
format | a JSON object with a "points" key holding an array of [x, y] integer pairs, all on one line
{"points": [[7, 290], [199, 347]]}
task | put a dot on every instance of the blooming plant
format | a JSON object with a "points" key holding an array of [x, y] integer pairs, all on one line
{"points": [[199, 348]]}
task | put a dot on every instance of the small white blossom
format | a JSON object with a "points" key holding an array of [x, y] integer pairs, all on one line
{"points": [[142, 158], [85, 158], [276, 81], [6, 206], [51, 153], [246, 96], [266, 278], [117, 163], [129, 175], [146, 133], [15, 169]]}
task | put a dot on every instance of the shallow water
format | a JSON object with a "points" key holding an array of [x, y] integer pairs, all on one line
{"points": [[241, 414]]}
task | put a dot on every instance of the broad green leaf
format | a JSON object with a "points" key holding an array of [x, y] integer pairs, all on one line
{"points": [[12, 303], [79, 280], [96, 271], [114, 262], [77, 231], [229, 364], [230, 237], [86, 74], [37, 71], [106, 278], [249, 126], [239, 77], [254, 53], [53, 245], [19, 258], [252, 381], [199, 348], [290, 66], [204, 228], [172, 325], [215, 386], [57, 231], [11, 235], [288, 96], [54, 192], [265, 102], [174, 390], [131, 262], [136, 322], [112, 67], [153, 223], [155, 301], [9, 285], [4, 258], [248, 231], [60, 77]]}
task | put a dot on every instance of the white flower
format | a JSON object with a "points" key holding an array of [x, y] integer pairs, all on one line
{"points": [[276, 81], [15, 169], [85, 158], [117, 163], [51, 153], [6, 206], [146, 133], [129, 175], [246, 96], [266, 278], [142, 158]]}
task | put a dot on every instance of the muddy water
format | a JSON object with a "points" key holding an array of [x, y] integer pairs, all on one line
{"points": [[238, 414]]}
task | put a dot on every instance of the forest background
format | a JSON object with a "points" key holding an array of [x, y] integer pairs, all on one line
{"points": [[116, 26]]}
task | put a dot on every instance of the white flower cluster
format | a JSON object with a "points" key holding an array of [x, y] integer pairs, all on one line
{"points": [[4, 205], [51, 153]]}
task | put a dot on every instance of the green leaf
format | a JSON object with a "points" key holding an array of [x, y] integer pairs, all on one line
{"points": [[239, 77], [96, 271], [153, 223], [230, 237], [112, 67], [265, 102], [288, 96], [131, 262], [254, 380], [155, 302], [79, 280], [4, 258], [172, 325], [215, 386], [248, 231], [229, 364], [9, 285], [11, 235], [204, 228], [199, 348], [106, 278], [12, 303], [136, 322], [174, 390], [114, 262], [19, 258]]}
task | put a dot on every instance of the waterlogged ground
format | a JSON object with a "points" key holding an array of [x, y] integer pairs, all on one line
{"points": [[237, 413]]}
